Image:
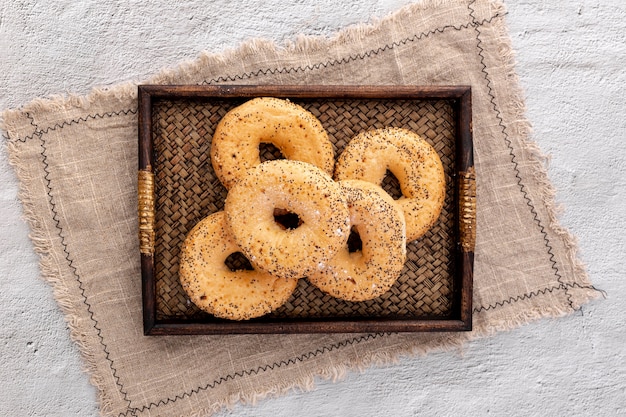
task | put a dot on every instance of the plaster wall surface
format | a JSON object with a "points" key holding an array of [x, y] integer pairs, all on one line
{"points": [[571, 60]]}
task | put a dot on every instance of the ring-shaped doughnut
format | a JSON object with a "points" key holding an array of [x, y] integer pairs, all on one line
{"points": [[295, 187], [214, 288], [371, 271], [412, 160], [296, 132]]}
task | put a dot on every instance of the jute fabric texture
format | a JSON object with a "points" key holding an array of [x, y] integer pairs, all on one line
{"points": [[76, 160]]}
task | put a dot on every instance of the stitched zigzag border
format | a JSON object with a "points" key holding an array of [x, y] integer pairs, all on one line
{"points": [[509, 144], [39, 132], [70, 263]]}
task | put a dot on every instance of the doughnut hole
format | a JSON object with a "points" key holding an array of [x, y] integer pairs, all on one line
{"points": [[355, 244], [287, 219], [237, 261], [269, 152], [391, 184]]}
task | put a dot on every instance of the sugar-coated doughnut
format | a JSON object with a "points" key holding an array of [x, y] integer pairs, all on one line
{"points": [[412, 160], [296, 132], [213, 287], [371, 271], [294, 187]]}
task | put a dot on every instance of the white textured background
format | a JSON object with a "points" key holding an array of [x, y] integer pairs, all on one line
{"points": [[572, 64]]}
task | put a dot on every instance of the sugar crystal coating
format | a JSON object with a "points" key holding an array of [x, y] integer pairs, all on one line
{"points": [[299, 188], [413, 161], [296, 132], [213, 287], [371, 271]]}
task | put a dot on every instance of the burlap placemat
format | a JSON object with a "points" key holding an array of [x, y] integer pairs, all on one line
{"points": [[76, 161]]}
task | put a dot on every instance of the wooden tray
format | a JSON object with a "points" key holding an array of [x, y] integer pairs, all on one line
{"points": [[177, 188]]}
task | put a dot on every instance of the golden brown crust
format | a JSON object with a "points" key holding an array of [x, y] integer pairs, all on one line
{"points": [[296, 187], [296, 132], [213, 287], [370, 272], [413, 161]]}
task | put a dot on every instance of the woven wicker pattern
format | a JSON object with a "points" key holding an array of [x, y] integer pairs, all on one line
{"points": [[187, 190]]}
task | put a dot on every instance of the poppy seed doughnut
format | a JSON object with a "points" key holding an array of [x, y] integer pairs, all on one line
{"points": [[295, 187], [213, 287], [296, 132], [413, 161], [371, 271]]}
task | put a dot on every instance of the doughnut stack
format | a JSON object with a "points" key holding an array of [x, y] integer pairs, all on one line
{"points": [[299, 217]]}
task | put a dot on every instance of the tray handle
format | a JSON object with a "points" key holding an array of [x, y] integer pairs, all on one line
{"points": [[467, 209], [145, 191]]}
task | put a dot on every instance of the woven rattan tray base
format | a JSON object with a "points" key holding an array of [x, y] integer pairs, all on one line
{"points": [[178, 123]]}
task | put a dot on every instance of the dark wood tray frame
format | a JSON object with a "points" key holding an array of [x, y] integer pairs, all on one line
{"points": [[465, 195]]}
